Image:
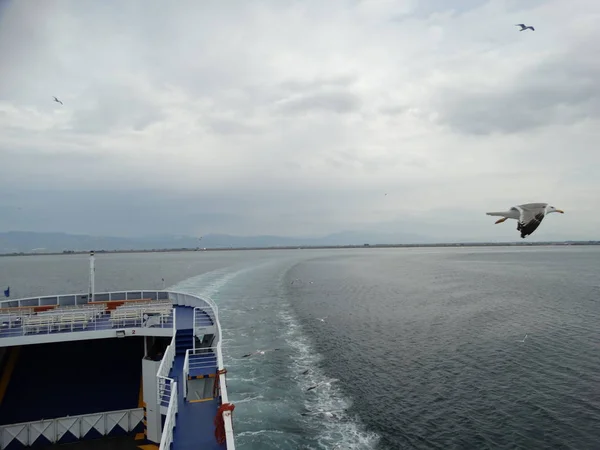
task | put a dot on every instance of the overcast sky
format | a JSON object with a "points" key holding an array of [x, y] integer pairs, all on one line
{"points": [[297, 117]]}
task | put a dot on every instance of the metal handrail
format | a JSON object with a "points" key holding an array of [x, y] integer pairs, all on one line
{"points": [[25, 323], [186, 371], [164, 383], [167, 435], [50, 429], [85, 295], [223, 387], [189, 364]]}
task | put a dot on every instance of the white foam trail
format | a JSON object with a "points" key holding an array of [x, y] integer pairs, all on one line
{"points": [[250, 399], [344, 430], [207, 283], [210, 283], [256, 433]]}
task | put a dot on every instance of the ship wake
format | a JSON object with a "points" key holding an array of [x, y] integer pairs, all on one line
{"points": [[325, 407], [274, 410]]}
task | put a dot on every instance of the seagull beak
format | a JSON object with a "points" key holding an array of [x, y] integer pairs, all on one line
{"points": [[560, 211]]}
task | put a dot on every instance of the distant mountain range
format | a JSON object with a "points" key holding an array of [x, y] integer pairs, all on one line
{"points": [[29, 242]]}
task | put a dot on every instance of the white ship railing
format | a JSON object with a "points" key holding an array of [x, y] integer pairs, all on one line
{"points": [[186, 371], [27, 434], [82, 298], [164, 382], [223, 390], [222, 377], [201, 320], [73, 312], [190, 363], [167, 434], [200, 363], [59, 321]]}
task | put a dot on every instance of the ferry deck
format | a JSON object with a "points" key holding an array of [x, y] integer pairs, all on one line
{"points": [[118, 370]]}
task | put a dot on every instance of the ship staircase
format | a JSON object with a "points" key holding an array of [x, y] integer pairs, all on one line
{"points": [[194, 380]]}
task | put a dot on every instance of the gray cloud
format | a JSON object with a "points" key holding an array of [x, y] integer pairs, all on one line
{"points": [[295, 118], [337, 102], [561, 89], [109, 106]]}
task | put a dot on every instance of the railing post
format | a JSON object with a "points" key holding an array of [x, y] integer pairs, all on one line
{"points": [[194, 329], [92, 276]]}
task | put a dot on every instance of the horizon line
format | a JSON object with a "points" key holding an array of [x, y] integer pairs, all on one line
{"points": [[308, 247]]}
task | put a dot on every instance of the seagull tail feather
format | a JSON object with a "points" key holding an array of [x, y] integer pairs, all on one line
{"points": [[498, 213]]}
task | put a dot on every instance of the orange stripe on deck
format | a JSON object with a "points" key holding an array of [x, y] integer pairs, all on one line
{"points": [[44, 308], [200, 400], [113, 304], [10, 367]]}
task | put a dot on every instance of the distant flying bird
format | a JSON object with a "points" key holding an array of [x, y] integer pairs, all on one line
{"points": [[529, 216], [57, 100], [523, 339], [523, 27]]}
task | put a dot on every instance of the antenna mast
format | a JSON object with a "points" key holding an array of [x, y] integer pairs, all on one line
{"points": [[92, 274]]}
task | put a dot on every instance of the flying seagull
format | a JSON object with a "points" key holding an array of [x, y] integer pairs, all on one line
{"points": [[523, 339], [259, 352], [57, 100], [523, 27], [529, 216]]}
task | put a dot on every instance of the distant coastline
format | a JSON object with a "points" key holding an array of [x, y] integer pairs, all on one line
{"points": [[313, 247]]}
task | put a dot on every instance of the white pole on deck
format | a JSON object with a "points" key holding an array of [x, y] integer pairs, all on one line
{"points": [[92, 274]]}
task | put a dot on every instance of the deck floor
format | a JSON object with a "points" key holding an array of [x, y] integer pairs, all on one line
{"points": [[184, 317]]}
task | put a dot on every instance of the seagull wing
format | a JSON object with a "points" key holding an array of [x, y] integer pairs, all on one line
{"points": [[531, 217]]}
